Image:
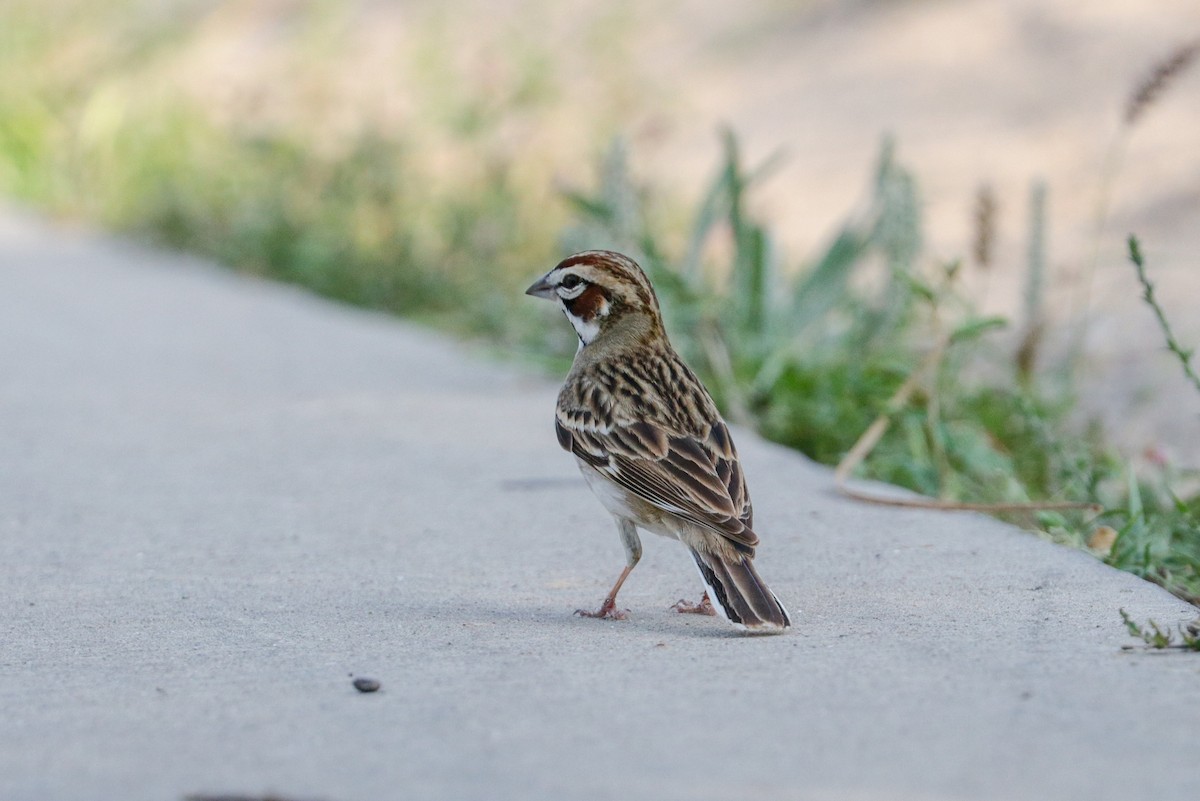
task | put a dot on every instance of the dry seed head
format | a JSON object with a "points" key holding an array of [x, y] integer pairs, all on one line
{"points": [[1159, 79], [985, 226], [1027, 351]]}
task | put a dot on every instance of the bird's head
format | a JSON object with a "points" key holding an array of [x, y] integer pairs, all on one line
{"points": [[600, 291]]}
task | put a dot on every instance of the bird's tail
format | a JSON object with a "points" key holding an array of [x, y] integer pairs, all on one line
{"points": [[739, 593]]}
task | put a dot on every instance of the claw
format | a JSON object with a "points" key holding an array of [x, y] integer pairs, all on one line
{"points": [[705, 607], [608, 610]]}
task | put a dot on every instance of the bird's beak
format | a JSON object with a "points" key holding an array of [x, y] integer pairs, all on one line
{"points": [[541, 289]]}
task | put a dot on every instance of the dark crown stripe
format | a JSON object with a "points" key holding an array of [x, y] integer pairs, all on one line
{"points": [[617, 265]]}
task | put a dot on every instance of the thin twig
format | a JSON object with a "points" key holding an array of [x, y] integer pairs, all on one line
{"points": [[959, 506], [1080, 299], [1184, 354], [870, 438]]}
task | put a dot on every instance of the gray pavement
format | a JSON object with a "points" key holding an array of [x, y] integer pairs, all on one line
{"points": [[219, 498]]}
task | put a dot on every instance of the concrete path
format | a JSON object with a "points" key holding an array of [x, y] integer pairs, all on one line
{"points": [[220, 498]]}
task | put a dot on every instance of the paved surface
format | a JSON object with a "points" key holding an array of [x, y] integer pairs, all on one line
{"points": [[219, 498]]}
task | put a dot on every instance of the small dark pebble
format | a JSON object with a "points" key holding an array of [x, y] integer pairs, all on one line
{"points": [[365, 685]]}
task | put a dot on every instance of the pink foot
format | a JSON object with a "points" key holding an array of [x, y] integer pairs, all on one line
{"points": [[705, 607], [608, 610]]}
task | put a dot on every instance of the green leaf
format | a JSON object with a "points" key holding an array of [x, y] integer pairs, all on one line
{"points": [[977, 327]]}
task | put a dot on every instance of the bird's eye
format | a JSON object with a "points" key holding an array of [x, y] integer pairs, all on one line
{"points": [[570, 281]]}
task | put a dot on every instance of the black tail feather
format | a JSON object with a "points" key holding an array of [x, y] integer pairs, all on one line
{"points": [[739, 593]]}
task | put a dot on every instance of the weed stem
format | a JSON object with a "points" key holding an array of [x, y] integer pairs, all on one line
{"points": [[1184, 354]]}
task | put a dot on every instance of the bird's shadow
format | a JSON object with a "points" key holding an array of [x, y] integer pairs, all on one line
{"points": [[664, 622]]}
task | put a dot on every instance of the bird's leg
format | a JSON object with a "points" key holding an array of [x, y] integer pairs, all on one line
{"points": [[633, 553], [609, 609], [705, 607]]}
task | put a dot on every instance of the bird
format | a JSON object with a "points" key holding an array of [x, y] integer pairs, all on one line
{"points": [[650, 442]]}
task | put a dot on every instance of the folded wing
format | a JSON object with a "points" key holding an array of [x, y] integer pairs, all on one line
{"points": [[694, 476]]}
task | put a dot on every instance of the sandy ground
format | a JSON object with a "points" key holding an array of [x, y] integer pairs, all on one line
{"points": [[222, 499]]}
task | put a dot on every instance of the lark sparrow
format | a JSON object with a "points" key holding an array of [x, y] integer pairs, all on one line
{"points": [[649, 440]]}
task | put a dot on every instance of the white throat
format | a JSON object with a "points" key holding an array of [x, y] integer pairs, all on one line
{"points": [[586, 329]]}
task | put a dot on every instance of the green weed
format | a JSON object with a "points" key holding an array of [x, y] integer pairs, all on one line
{"points": [[88, 130], [1157, 638]]}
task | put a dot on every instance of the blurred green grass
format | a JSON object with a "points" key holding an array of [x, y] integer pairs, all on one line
{"points": [[447, 214], [93, 126]]}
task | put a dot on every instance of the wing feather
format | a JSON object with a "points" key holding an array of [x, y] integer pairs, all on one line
{"points": [[694, 476]]}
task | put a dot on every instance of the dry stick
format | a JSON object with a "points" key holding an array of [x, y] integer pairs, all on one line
{"points": [[870, 438]]}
